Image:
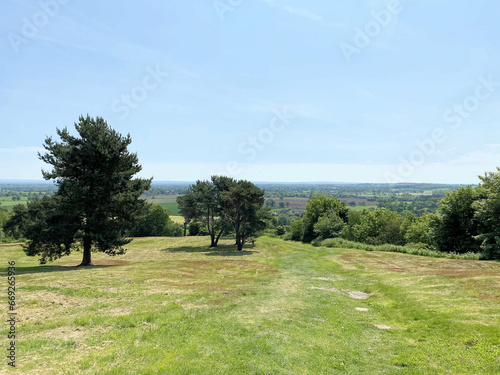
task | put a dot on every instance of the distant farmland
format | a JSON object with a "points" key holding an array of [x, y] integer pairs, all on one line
{"points": [[167, 201], [359, 200], [301, 202], [8, 203], [170, 203]]}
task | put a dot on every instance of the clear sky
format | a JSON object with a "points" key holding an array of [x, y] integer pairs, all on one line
{"points": [[267, 90]]}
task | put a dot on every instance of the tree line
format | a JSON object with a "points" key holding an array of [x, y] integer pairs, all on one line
{"points": [[467, 220]]}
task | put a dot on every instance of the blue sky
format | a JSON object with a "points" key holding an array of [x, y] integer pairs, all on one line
{"points": [[267, 90]]}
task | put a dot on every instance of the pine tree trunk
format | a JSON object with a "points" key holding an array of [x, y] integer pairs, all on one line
{"points": [[87, 254], [237, 229], [240, 244], [211, 229]]}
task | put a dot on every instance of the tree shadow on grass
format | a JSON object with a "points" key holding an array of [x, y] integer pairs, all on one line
{"points": [[220, 250], [49, 268]]}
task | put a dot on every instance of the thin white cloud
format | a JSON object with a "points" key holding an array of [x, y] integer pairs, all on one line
{"points": [[478, 158], [301, 12]]}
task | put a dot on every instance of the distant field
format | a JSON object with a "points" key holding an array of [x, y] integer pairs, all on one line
{"points": [[167, 201], [8, 203], [176, 306], [294, 202], [173, 207], [162, 199], [358, 200], [177, 219], [301, 202]]}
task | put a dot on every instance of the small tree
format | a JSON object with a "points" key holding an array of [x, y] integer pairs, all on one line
{"points": [[188, 209], [202, 203], [243, 206], [317, 207], [97, 199]]}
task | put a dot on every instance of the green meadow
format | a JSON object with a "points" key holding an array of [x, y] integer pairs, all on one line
{"points": [[174, 306], [8, 203], [166, 201]]}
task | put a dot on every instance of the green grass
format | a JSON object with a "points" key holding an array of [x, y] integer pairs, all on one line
{"points": [[8, 203], [167, 201], [174, 306], [177, 219], [173, 207]]}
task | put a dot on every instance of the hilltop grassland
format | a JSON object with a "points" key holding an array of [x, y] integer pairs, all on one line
{"points": [[174, 306]]}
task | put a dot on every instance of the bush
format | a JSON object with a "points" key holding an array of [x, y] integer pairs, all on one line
{"points": [[194, 228], [174, 229], [269, 233], [297, 230]]}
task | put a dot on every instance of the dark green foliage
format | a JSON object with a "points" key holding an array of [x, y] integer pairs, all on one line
{"points": [[329, 225], [194, 228], [156, 222], [376, 227], [11, 224], [270, 202], [51, 227], [97, 199], [280, 230], [243, 206], [224, 204], [456, 227], [487, 208], [188, 209], [202, 203], [297, 230], [417, 230], [322, 206]]}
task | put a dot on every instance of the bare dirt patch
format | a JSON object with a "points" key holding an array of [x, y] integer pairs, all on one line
{"points": [[358, 295]]}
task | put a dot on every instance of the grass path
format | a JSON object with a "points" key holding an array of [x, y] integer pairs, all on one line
{"points": [[173, 306]]}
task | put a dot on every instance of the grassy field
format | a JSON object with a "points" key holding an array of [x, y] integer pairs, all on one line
{"points": [[167, 201], [174, 306], [301, 202], [177, 219], [8, 203]]}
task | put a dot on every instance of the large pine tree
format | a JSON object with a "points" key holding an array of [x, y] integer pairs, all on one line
{"points": [[97, 199]]}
